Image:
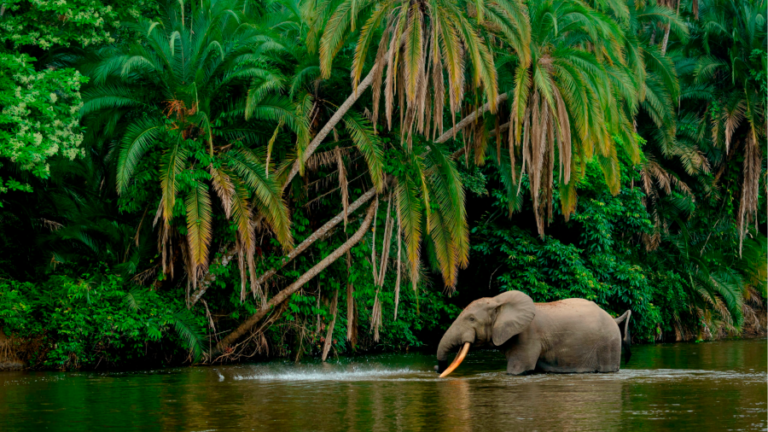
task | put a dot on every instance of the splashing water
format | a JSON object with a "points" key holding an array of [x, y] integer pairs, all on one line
{"points": [[324, 374]]}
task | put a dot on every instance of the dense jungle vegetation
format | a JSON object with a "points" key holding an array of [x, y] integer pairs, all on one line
{"points": [[222, 180]]}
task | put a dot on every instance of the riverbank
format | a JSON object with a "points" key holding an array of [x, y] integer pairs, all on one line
{"points": [[19, 354], [9, 354], [101, 323]]}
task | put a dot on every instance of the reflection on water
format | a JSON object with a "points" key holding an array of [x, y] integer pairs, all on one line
{"points": [[711, 386]]}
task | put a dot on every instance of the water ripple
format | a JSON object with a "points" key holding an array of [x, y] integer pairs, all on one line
{"points": [[406, 374], [639, 375]]}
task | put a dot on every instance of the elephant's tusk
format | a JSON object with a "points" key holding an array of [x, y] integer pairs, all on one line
{"points": [[457, 361]]}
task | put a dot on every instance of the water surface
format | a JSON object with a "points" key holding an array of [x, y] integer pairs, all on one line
{"points": [[714, 386]]}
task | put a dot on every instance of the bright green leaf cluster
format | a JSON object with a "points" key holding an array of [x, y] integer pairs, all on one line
{"points": [[38, 116]]}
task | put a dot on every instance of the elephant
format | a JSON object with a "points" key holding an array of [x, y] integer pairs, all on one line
{"points": [[567, 336]]}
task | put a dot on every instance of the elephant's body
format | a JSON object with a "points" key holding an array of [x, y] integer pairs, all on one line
{"points": [[567, 336]]}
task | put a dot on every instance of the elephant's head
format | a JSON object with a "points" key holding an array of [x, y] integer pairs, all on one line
{"points": [[494, 319]]}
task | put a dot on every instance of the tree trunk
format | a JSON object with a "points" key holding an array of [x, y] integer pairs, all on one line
{"points": [[306, 277], [332, 122], [350, 303], [469, 119], [205, 283], [665, 41], [317, 308], [336, 117], [329, 333]]}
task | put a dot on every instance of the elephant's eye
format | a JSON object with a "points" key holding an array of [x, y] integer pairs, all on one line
{"points": [[472, 319]]}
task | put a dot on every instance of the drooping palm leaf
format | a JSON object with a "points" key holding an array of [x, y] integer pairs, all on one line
{"points": [[138, 138], [172, 164], [199, 229], [190, 333], [267, 196], [369, 145]]}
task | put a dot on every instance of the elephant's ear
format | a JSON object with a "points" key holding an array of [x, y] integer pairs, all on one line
{"points": [[515, 311]]}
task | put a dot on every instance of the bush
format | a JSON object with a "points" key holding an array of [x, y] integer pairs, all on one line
{"points": [[69, 323]]}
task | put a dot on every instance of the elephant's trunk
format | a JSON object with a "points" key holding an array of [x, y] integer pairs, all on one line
{"points": [[451, 340]]}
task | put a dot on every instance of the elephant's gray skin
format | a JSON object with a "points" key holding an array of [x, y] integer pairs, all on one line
{"points": [[566, 336]]}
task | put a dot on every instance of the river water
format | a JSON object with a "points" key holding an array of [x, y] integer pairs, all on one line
{"points": [[713, 386]]}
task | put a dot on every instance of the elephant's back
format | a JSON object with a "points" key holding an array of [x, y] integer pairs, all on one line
{"points": [[569, 303], [573, 330], [578, 313]]}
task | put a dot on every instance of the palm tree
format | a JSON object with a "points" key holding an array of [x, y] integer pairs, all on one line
{"points": [[575, 100], [450, 33], [189, 91], [659, 70], [655, 69], [427, 38], [424, 46], [734, 41], [419, 42], [283, 27]]}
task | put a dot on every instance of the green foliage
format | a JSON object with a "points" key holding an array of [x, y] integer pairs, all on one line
{"points": [[758, 69], [199, 144], [50, 24], [38, 117], [94, 320]]}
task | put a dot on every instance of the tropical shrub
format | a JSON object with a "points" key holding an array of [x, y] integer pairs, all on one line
{"points": [[69, 323], [38, 119]]}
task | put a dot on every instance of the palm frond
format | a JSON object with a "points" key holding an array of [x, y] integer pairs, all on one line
{"points": [[139, 137], [199, 229], [190, 333], [267, 195], [369, 145]]}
